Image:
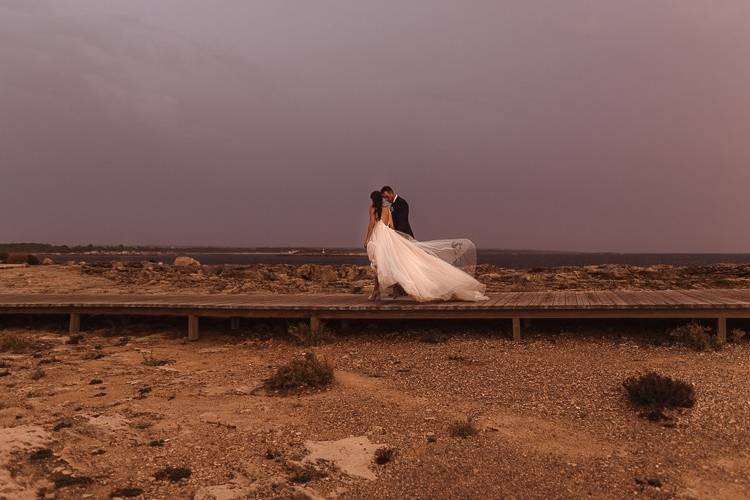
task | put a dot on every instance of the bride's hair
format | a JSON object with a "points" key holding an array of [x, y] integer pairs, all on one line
{"points": [[377, 203]]}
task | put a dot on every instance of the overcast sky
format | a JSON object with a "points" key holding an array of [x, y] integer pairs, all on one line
{"points": [[550, 124]]}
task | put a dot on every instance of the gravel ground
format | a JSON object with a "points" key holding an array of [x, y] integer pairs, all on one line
{"points": [[552, 417]]}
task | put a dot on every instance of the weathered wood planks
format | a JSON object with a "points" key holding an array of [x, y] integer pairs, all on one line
{"points": [[705, 303]]}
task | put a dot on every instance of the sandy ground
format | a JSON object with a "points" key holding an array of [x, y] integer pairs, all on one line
{"points": [[551, 412]]}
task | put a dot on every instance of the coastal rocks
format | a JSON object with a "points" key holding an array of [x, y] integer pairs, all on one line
{"points": [[186, 261]]}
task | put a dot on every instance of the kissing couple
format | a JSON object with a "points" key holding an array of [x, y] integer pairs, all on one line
{"points": [[423, 270]]}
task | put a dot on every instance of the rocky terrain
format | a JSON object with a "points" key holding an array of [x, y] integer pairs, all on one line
{"points": [[135, 410], [149, 277], [421, 409]]}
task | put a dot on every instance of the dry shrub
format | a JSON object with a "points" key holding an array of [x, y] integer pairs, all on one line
{"points": [[174, 474], [463, 428], [22, 258], [658, 391], [302, 334], [384, 455], [307, 372], [18, 344], [696, 336], [736, 335]]}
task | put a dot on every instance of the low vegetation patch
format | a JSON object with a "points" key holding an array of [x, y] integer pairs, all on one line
{"points": [[736, 335], [384, 455], [64, 480], [463, 428], [307, 372], [19, 344], [435, 337], [174, 474], [657, 392], [300, 331], [696, 335], [126, 493], [62, 424], [151, 360], [41, 454], [22, 258]]}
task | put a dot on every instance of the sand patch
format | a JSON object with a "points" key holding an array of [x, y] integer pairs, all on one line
{"points": [[546, 436], [376, 388], [713, 489], [112, 423], [23, 438], [352, 456], [239, 487]]}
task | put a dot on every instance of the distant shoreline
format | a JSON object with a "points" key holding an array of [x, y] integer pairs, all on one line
{"points": [[507, 259]]}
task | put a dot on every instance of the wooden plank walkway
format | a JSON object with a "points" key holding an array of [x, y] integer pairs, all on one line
{"points": [[707, 303]]}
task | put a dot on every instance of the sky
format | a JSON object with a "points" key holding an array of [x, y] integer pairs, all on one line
{"points": [[588, 125]]}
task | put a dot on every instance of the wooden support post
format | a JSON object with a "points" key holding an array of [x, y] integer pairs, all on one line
{"points": [[193, 331], [316, 325], [516, 329], [721, 330], [234, 324], [75, 324]]}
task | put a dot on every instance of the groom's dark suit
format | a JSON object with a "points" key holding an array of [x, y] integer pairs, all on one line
{"points": [[400, 212]]}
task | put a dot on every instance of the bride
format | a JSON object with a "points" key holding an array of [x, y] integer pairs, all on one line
{"points": [[425, 270]]}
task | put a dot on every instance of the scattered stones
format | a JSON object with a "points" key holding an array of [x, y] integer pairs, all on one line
{"points": [[212, 418]]}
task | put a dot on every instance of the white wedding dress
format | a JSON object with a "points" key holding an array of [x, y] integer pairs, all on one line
{"points": [[426, 270]]}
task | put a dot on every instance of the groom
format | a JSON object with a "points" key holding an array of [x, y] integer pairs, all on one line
{"points": [[399, 210]]}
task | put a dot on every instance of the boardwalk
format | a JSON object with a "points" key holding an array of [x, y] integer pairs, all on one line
{"points": [[719, 304]]}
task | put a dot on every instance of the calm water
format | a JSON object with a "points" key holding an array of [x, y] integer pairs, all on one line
{"points": [[518, 260]]}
